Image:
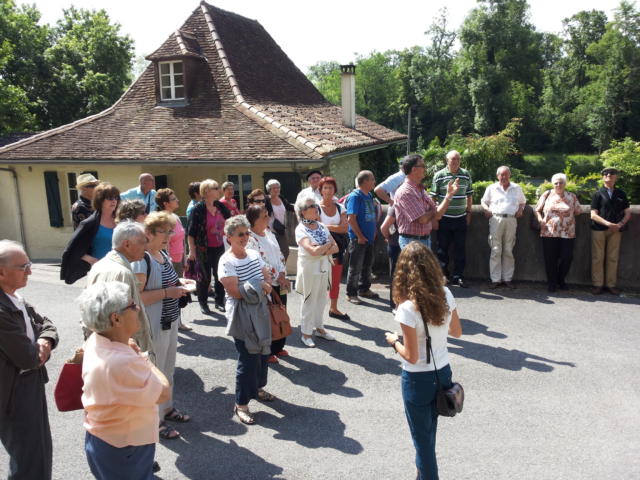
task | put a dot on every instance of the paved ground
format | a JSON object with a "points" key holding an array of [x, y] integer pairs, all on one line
{"points": [[551, 383]]}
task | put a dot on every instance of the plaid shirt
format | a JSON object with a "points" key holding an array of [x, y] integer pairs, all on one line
{"points": [[410, 203]]}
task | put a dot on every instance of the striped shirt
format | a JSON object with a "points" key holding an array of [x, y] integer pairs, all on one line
{"points": [[170, 307], [458, 205], [411, 202], [244, 268]]}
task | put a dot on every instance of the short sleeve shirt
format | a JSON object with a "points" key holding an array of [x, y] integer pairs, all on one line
{"points": [[458, 204], [611, 207], [504, 202], [411, 202], [318, 236], [559, 214], [245, 269], [393, 182], [361, 205]]}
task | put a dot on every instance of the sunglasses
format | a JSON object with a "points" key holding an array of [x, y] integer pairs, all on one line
{"points": [[113, 198], [307, 207], [131, 306], [241, 234], [256, 200]]}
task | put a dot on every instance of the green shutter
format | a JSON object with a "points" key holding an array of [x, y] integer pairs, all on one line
{"points": [[53, 199]]}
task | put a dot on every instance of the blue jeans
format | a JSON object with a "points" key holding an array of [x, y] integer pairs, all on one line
{"points": [[404, 241], [251, 373], [108, 462], [419, 396]]}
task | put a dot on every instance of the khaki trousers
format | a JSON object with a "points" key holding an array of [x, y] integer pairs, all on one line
{"points": [[604, 243], [502, 238]]}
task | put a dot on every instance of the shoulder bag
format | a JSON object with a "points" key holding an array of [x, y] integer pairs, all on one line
{"points": [[280, 323], [449, 401], [68, 391], [535, 224]]}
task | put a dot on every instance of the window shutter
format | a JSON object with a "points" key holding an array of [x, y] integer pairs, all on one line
{"points": [[53, 199]]}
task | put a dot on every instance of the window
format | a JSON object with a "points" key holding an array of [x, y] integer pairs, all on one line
{"points": [[71, 182], [171, 81], [242, 186]]}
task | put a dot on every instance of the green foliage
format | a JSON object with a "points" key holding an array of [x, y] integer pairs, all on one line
{"points": [[530, 192], [478, 190], [52, 76], [625, 156]]}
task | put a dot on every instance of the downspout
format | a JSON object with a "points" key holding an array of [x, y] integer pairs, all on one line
{"points": [[20, 217]]}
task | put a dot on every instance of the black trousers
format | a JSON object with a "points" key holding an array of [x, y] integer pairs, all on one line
{"points": [[25, 432], [211, 264], [360, 262], [452, 231], [394, 252], [278, 345], [558, 255]]}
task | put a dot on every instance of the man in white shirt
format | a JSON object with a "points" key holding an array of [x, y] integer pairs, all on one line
{"points": [[502, 202], [145, 192], [387, 189], [313, 179], [26, 341]]}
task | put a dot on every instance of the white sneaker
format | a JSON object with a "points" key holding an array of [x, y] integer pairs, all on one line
{"points": [[308, 341], [326, 335]]}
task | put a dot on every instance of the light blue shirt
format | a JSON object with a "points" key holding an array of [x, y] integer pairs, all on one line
{"points": [[393, 182], [135, 193], [192, 204]]}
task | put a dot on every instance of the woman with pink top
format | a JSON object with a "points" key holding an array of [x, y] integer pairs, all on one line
{"points": [[167, 201], [122, 387]]}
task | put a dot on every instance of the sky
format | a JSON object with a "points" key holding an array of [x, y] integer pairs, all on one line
{"points": [[310, 32]]}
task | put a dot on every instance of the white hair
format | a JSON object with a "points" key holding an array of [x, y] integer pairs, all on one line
{"points": [[271, 183], [559, 176], [126, 230], [7, 249], [233, 223], [502, 167], [98, 301], [452, 153], [302, 201]]}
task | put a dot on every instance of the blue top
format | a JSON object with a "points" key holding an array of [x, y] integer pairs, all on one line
{"points": [[136, 194], [101, 244], [393, 182], [192, 204], [361, 205]]}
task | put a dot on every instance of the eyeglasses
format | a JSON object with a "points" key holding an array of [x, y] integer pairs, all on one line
{"points": [[90, 186], [258, 200], [307, 207], [241, 234], [173, 199], [131, 306], [609, 174], [113, 198], [166, 232], [24, 267]]}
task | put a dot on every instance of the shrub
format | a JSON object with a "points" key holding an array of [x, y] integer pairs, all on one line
{"points": [[543, 165], [530, 192], [625, 156], [478, 190], [582, 164]]}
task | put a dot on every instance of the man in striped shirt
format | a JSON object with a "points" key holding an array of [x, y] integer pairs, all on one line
{"points": [[453, 225]]}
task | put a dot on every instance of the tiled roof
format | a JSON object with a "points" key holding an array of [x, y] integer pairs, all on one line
{"points": [[251, 103], [14, 137]]}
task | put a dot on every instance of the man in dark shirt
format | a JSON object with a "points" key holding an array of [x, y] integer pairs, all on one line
{"points": [[610, 213], [82, 208]]}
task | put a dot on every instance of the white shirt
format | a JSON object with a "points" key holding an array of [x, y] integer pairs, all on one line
{"points": [[393, 182], [504, 202], [409, 316], [18, 301], [309, 191]]}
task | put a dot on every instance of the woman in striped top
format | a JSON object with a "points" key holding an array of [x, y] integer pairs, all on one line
{"points": [[160, 291]]}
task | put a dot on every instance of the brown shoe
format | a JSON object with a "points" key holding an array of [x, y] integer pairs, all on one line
{"points": [[614, 291], [596, 290]]}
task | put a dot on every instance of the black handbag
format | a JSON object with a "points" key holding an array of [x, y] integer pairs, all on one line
{"points": [[449, 401]]}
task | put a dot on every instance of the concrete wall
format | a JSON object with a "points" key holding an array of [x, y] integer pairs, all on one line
{"points": [[528, 251], [344, 170]]}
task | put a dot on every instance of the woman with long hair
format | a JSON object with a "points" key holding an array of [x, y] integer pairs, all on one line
{"points": [[424, 305]]}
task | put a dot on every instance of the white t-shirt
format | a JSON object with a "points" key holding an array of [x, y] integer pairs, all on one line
{"points": [[302, 231], [408, 315], [335, 220], [244, 268]]}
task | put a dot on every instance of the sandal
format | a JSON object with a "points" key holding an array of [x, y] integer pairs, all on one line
{"points": [[245, 416], [265, 396], [174, 415], [167, 432]]}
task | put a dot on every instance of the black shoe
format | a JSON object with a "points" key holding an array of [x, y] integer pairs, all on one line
{"points": [[156, 467], [220, 308], [205, 309], [551, 288], [563, 286], [339, 316], [459, 281]]}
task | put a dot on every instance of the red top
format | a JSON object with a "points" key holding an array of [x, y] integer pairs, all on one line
{"points": [[410, 203], [232, 205]]}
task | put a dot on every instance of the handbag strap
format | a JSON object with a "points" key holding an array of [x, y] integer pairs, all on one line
{"points": [[275, 298], [430, 351]]}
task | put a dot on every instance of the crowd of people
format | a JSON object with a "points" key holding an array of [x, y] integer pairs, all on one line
{"points": [[135, 252]]}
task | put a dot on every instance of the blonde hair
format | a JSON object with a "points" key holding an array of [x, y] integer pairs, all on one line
{"points": [[159, 220], [207, 185], [418, 277]]}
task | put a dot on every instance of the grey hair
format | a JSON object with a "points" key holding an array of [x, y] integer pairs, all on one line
{"points": [[7, 248], [227, 184], [559, 176], [233, 223], [363, 176], [452, 153], [271, 183], [98, 301], [126, 230], [301, 202], [502, 167]]}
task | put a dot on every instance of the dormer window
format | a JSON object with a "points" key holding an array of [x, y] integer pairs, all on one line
{"points": [[171, 81]]}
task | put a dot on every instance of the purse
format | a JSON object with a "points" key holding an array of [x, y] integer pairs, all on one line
{"points": [[68, 391], [280, 323], [193, 271], [449, 401]]}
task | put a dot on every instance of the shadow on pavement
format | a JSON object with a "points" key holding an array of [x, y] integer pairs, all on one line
{"points": [[308, 427], [471, 327], [216, 348], [514, 360], [363, 332], [371, 361], [317, 378]]}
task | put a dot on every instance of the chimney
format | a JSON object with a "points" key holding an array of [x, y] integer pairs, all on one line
{"points": [[348, 95]]}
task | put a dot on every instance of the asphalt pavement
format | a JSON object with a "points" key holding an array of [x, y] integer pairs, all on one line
{"points": [[551, 383]]}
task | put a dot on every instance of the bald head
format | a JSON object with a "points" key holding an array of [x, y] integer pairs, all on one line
{"points": [[8, 249]]}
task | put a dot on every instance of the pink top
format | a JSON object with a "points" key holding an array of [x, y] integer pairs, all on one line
{"points": [[119, 394], [232, 205], [176, 243], [559, 214], [411, 202], [215, 229]]}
